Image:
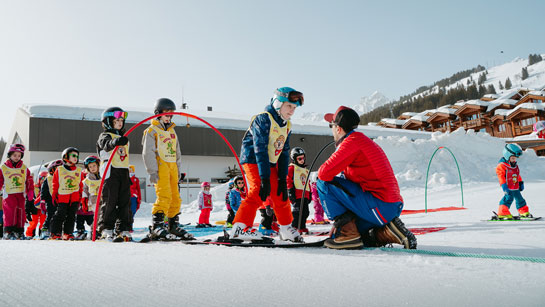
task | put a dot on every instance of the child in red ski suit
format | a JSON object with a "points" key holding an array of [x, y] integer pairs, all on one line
{"points": [[297, 177], [39, 217], [205, 205], [18, 198], [511, 182]]}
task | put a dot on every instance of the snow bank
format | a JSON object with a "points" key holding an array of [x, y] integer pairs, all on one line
{"points": [[477, 155]]}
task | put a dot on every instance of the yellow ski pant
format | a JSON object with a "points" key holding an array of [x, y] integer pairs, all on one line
{"points": [[167, 190]]}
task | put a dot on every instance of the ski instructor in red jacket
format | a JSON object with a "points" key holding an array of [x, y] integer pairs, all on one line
{"points": [[359, 190]]}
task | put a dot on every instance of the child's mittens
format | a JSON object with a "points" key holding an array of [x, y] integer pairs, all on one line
{"points": [[122, 141], [153, 178], [521, 186], [505, 188]]}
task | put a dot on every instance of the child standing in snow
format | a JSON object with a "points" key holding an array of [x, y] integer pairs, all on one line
{"points": [[539, 129], [231, 215], [205, 205], [297, 177], [318, 209], [91, 183], [66, 195], [511, 183], [45, 195], [136, 197], [17, 182], [38, 218]]}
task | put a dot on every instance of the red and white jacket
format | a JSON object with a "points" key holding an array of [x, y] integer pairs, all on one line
{"points": [[362, 161], [508, 174]]}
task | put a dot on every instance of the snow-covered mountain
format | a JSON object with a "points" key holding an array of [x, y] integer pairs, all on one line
{"points": [[368, 104], [312, 116]]}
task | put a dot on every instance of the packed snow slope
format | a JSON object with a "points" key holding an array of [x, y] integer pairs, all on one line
{"points": [[129, 274]]}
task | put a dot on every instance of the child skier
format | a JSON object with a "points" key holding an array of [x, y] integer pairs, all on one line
{"points": [[136, 197], [66, 195], [38, 218], [231, 215], [116, 191], [318, 208], [45, 195], [205, 205], [17, 182], [91, 183], [297, 177], [265, 159], [539, 129], [511, 183], [162, 159], [236, 194]]}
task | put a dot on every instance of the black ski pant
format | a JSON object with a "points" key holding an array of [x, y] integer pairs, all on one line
{"points": [[116, 201], [230, 216], [64, 219], [50, 212], [296, 212], [81, 220]]}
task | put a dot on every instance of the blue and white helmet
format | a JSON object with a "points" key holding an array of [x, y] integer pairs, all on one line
{"points": [[539, 126], [286, 94], [511, 150]]}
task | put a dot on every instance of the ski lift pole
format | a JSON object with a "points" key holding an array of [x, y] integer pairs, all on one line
{"points": [[428, 171]]}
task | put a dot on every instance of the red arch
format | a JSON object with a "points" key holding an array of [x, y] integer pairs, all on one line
{"points": [[139, 124]]}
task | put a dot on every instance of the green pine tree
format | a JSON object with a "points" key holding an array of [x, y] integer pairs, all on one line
{"points": [[524, 73], [491, 89], [508, 83], [501, 86]]}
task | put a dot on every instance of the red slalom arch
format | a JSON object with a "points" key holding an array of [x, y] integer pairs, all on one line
{"points": [[139, 124]]}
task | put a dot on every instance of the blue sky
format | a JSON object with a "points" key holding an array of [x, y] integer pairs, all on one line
{"points": [[232, 54]]}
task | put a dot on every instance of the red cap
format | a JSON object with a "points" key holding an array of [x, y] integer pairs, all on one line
{"points": [[345, 117], [329, 117]]}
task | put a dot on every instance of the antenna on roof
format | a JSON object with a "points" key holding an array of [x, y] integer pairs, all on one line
{"points": [[83, 116], [184, 104]]}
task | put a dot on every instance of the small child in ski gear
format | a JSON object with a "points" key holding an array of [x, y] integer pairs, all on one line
{"points": [[136, 196], [237, 194], [297, 177], [205, 205], [163, 161], [318, 208], [231, 215], [66, 195], [364, 200], [38, 218], [116, 191], [45, 195], [18, 197], [91, 184], [511, 182], [539, 129], [265, 158]]}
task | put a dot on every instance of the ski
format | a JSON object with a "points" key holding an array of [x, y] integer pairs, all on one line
{"points": [[264, 242], [496, 218]]}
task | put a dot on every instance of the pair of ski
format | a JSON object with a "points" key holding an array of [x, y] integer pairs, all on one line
{"points": [[263, 242], [496, 218]]}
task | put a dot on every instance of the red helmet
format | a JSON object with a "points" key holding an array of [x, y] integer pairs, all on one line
{"points": [[205, 184], [53, 166], [16, 148]]}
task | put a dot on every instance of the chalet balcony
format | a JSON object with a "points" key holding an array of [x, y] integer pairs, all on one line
{"points": [[474, 123], [523, 130], [503, 134]]}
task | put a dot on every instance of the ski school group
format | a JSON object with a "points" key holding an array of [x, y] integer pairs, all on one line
{"points": [[356, 185]]}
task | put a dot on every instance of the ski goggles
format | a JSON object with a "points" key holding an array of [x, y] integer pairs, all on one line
{"points": [[116, 114], [73, 155], [293, 97]]}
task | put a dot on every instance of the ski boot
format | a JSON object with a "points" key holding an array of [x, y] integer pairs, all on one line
{"points": [[266, 231], [288, 233], [393, 232], [1, 231], [126, 235], [55, 236], [241, 232], [200, 226], [176, 229], [9, 233], [20, 233], [158, 230], [81, 235], [45, 234], [228, 225], [344, 234], [68, 237], [108, 235], [526, 214]]}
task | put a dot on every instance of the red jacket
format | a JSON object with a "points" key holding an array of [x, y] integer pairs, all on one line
{"points": [[135, 189], [69, 198], [362, 161], [291, 184], [508, 174]]}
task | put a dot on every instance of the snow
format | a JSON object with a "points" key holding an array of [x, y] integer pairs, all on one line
{"points": [[86, 273], [528, 106], [368, 104]]}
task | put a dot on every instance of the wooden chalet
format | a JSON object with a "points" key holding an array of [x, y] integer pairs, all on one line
{"points": [[391, 123], [419, 121], [472, 115], [524, 116], [443, 119]]}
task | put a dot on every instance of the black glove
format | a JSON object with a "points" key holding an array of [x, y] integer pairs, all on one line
{"points": [[30, 210], [182, 176], [265, 189], [282, 189], [122, 141], [269, 210], [291, 195]]}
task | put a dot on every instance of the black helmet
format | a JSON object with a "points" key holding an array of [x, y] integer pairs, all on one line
{"points": [[112, 113], [164, 104], [52, 166], [67, 151], [296, 152]]}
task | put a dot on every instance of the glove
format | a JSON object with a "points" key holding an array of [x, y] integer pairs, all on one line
{"points": [[269, 210], [30, 210], [521, 186], [154, 178], [85, 204], [291, 195], [182, 176], [282, 189], [122, 141], [265, 189], [505, 189]]}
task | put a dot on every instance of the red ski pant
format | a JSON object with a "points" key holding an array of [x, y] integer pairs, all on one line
{"points": [[248, 207], [36, 218], [14, 210], [204, 218]]}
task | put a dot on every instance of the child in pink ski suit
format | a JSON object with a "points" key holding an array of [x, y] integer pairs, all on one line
{"points": [[205, 205], [18, 187]]}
